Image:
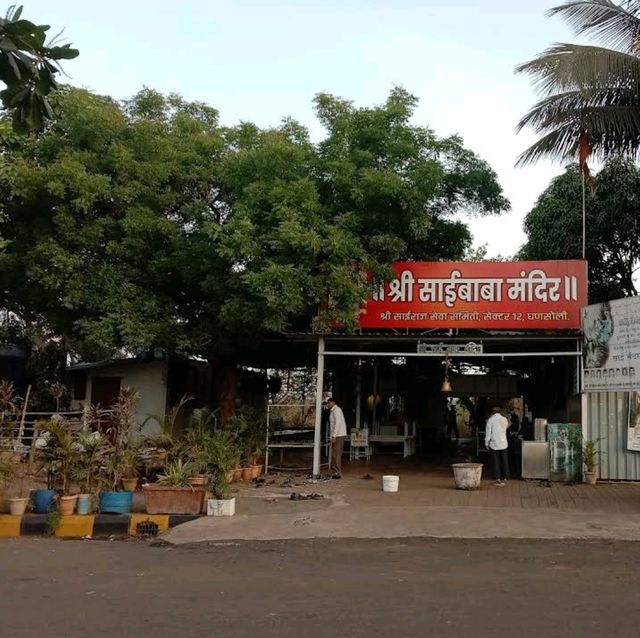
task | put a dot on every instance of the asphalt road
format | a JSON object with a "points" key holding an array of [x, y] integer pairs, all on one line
{"points": [[310, 589]]}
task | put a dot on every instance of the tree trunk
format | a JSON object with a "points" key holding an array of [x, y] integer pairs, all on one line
{"points": [[225, 387]]}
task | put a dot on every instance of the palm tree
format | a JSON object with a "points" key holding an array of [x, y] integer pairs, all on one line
{"points": [[590, 95]]}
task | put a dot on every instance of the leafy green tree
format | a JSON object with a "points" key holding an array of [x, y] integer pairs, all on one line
{"points": [[397, 184], [589, 95], [554, 227], [105, 221], [28, 66], [150, 226], [309, 221]]}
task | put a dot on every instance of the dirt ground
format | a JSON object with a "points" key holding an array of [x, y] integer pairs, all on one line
{"points": [[312, 589]]}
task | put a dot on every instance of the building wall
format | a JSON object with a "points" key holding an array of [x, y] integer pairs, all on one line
{"points": [[607, 420], [149, 379]]}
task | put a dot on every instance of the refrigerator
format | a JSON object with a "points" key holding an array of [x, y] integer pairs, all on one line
{"points": [[565, 452]]}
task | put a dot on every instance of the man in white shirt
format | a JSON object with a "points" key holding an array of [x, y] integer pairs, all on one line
{"points": [[338, 433], [498, 445]]}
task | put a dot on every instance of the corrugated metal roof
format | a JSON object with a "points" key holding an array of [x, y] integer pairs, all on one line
{"points": [[107, 363]]}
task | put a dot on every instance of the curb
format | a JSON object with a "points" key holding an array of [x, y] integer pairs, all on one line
{"points": [[91, 525]]}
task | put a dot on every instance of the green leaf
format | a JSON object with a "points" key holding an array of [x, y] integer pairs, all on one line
{"points": [[64, 52]]}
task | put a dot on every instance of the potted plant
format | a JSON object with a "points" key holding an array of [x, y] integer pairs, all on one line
{"points": [[8, 411], [91, 450], [258, 451], [249, 429], [130, 466], [122, 438], [61, 456], [223, 456], [44, 499], [173, 494], [162, 446], [17, 505], [195, 450], [223, 504], [590, 454]]}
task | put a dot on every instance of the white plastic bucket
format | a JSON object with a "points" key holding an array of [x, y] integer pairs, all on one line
{"points": [[390, 483]]}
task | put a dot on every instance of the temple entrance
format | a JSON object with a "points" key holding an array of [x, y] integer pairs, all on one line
{"points": [[433, 408]]}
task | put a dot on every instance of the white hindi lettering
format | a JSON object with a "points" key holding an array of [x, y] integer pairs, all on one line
{"points": [[402, 289], [571, 288], [534, 286], [529, 287]]}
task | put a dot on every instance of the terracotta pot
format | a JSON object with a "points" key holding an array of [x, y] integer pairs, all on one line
{"points": [[130, 484], [237, 474], [67, 505], [256, 470], [159, 499], [591, 478], [247, 473], [198, 481], [18, 506]]}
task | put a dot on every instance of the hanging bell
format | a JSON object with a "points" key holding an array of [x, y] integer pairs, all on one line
{"points": [[446, 385]]}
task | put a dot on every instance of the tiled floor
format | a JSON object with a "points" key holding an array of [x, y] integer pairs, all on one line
{"points": [[424, 485]]}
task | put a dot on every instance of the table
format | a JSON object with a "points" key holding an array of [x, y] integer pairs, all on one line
{"points": [[408, 442], [407, 438]]}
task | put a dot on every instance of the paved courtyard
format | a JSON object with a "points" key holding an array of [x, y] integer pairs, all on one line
{"points": [[427, 505], [433, 486]]}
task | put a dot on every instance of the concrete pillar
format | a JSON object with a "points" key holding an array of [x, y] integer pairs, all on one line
{"points": [[317, 435]]}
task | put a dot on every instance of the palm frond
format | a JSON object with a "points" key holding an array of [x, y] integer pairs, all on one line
{"points": [[612, 131], [556, 109], [559, 144], [612, 24], [564, 67]]}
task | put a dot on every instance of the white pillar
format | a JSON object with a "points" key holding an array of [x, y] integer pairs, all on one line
{"points": [[317, 435], [584, 400], [358, 395], [374, 416]]}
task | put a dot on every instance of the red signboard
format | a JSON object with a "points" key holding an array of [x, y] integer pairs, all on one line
{"points": [[490, 294]]}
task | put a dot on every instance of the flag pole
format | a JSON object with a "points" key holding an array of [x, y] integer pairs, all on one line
{"points": [[584, 218]]}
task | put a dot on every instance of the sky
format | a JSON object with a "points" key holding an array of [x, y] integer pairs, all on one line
{"points": [[262, 61]]}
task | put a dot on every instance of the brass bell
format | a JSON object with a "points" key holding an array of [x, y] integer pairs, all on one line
{"points": [[446, 385]]}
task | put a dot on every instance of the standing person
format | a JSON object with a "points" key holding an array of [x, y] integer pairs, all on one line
{"points": [[498, 445], [514, 426], [338, 431]]}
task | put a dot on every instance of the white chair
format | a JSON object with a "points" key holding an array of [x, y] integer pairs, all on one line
{"points": [[359, 444]]}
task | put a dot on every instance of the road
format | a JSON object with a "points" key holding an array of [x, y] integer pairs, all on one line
{"points": [[312, 589]]}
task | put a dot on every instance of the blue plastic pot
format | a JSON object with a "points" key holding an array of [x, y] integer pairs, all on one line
{"points": [[116, 502], [84, 504], [43, 501]]}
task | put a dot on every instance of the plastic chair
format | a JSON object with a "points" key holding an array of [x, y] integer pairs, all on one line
{"points": [[359, 444]]}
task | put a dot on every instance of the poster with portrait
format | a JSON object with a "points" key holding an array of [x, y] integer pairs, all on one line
{"points": [[612, 346], [633, 432]]}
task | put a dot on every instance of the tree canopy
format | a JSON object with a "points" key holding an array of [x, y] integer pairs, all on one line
{"points": [[589, 95], [152, 226], [28, 69], [554, 227]]}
